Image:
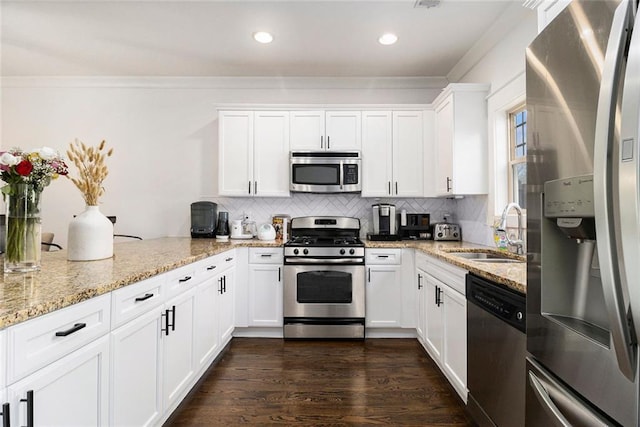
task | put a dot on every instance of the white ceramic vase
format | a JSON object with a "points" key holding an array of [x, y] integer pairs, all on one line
{"points": [[90, 236]]}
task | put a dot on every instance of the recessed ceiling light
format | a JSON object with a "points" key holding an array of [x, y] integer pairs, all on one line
{"points": [[387, 39], [262, 37]]}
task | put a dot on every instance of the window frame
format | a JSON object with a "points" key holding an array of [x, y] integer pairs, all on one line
{"points": [[512, 160]]}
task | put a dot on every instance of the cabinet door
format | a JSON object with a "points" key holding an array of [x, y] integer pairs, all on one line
{"points": [[265, 295], [444, 147], [421, 300], [206, 322], [271, 154], [73, 391], [343, 130], [307, 130], [235, 153], [377, 152], [408, 165], [177, 346], [384, 296], [226, 305], [455, 340], [136, 375], [434, 324]]}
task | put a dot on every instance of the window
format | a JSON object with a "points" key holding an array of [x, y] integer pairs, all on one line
{"points": [[518, 156]]}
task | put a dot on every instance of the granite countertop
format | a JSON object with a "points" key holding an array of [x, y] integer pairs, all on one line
{"points": [[512, 275], [61, 283]]}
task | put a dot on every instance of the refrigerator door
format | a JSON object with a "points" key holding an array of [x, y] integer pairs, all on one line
{"points": [[550, 403], [570, 328]]}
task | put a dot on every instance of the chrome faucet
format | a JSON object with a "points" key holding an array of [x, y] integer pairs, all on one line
{"points": [[502, 227]]}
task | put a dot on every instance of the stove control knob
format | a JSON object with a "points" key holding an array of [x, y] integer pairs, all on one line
{"points": [[519, 315], [296, 252], [342, 251], [352, 251], [440, 234], [306, 251], [455, 235]]}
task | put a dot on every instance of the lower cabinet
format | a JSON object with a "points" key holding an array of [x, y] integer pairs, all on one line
{"points": [[136, 371], [226, 304], [73, 391], [444, 318], [383, 288], [265, 287]]}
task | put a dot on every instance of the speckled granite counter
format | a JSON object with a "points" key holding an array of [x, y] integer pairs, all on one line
{"points": [[512, 275], [62, 283]]}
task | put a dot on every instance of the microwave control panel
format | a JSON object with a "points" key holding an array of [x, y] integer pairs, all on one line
{"points": [[350, 174]]}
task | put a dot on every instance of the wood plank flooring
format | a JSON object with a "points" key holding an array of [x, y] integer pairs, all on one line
{"points": [[323, 383]]}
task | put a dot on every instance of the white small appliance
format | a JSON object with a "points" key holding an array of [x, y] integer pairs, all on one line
{"points": [[236, 228]]}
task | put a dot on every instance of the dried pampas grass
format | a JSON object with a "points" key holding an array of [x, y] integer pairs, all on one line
{"points": [[92, 169]]}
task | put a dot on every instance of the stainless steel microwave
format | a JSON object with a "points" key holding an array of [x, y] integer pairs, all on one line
{"points": [[325, 172]]}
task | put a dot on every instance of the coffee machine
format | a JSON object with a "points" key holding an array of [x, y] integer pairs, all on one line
{"points": [[384, 222], [203, 219]]}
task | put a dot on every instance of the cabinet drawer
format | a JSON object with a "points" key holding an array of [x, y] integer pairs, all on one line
{"points": [[180, 279], [132, 301], [383, 256], [38, 342], [448, 274], [266, 255], [422, 261]]}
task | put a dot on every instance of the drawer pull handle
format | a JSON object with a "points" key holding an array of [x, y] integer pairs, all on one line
{"points": [[29, 401], [144, 298], [383, 256], [266, 255], [211, 267], [74, 328], [6, 415], [228, 259], [184, 279]]}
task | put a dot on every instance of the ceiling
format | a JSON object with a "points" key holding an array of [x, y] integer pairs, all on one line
{"points": [[326, 38]]}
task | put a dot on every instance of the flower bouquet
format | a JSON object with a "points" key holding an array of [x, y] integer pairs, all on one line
{"points": [[26, 174]]}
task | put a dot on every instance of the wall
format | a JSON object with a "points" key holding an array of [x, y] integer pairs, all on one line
{"points": [[502, 64], [164, 135]]}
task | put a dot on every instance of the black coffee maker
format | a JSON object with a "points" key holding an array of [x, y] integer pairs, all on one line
{"points": [[223, 224], [203, 219]]}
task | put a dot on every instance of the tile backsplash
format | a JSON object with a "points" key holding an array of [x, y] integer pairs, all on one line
{"points": [[352, 205]]}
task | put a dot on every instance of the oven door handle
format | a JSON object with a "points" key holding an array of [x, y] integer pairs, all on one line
{"points": [[354, 261]]}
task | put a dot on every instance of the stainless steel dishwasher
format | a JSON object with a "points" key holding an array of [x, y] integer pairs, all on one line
{"points": [[496, 353]]}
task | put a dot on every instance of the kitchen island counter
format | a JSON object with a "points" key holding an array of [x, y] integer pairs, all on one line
{"points": [[61, 283], [512, 275]]}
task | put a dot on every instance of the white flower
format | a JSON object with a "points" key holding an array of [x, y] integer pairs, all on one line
{"points": [[9, 159], [47, 153]]}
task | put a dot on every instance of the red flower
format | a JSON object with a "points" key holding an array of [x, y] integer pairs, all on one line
{"points": [[24, 168]]}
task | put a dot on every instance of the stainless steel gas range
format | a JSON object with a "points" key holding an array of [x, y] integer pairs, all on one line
{"points": [[324, 279]]}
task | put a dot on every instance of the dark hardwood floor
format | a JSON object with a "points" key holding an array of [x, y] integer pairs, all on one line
{"points": [[323, 383]]}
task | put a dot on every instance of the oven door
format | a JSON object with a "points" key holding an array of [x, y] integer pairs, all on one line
{"points": [[324, 291]]}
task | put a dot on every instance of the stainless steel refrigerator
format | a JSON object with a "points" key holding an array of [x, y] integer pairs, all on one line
{"points": [[583, 209]]}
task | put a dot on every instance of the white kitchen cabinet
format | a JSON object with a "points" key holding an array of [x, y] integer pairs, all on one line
{"points": [[421, 296], [383, 288], [72, 391], [461, 140], [253, 153], [446, 320], [177, 335], [325, 130], [226, 286], [136, 371], [265, 287], [392, 153]]}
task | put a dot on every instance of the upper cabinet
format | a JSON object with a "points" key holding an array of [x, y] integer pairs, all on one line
{"points": [[392, 153], [325, 130], [253, 153], [461, 140]]}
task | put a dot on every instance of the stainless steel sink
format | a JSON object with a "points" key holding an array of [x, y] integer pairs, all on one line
{"points": [[494, 257]]}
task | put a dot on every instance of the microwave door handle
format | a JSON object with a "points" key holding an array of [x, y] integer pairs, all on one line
{"points": [[341, 173], [607, 230]]}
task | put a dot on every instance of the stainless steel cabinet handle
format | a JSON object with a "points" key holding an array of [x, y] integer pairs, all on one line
{"points": [[29, 402]]}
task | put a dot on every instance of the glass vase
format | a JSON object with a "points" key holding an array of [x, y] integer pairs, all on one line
{"points": [[22, 229]]}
